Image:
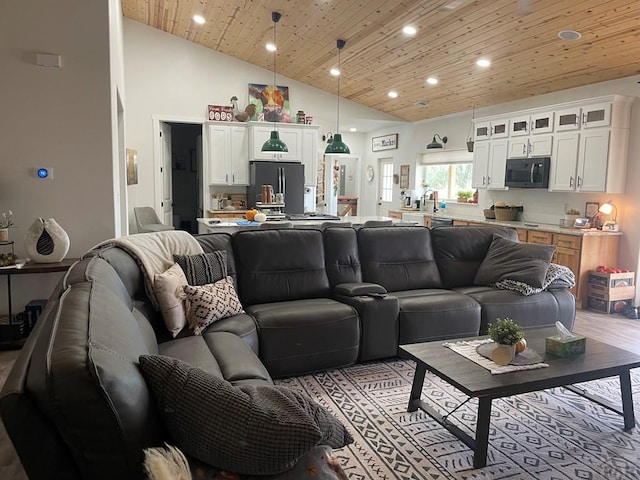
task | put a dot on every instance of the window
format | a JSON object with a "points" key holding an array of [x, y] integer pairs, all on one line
{"points": [[446, 172], [386, 181], [448, 179]]}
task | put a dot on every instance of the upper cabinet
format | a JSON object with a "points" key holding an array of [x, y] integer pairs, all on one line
{"points": [[228, 154], [301, 140], [495, 129], [586, 140]]}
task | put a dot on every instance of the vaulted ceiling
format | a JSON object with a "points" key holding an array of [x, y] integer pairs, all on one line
{"points": [[519, 37]]}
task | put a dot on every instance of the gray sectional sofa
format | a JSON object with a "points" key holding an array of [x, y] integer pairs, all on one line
{"points": [[76, 403]]}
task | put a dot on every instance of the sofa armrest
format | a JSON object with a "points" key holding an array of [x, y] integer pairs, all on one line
{"points": [[379, 330], [358, 289]]}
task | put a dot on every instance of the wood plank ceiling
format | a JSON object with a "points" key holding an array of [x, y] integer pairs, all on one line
{"points": [[519, 37]]}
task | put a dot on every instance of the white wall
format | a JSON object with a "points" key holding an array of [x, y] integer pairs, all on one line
{"points": [[170, 77], [60, 118]]}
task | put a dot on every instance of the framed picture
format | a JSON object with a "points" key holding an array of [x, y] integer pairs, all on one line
{"points": [[591, 209], [132, 167], [404, 176], [386, 142], [272, 104]]}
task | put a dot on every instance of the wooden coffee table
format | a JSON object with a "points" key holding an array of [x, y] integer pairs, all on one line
{"points": [[599, 361]]}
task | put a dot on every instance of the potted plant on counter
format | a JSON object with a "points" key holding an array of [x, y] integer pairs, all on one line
{"points": [[464, 196], [570, 215], [506, 334]]}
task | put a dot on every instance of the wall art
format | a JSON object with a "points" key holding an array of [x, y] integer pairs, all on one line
{"points": [[132, 167], [272, 104], [386, 142]]}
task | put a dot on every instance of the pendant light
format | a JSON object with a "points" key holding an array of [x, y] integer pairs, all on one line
{"points": [[274, 144], [337, 146]]}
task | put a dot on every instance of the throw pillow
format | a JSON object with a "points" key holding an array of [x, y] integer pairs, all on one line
{"points": [[509, 260], [248, 429], [209, 303], [168, 288], [203, 268]]}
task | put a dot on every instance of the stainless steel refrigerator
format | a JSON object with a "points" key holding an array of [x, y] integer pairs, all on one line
{"points": [[284, 177]]}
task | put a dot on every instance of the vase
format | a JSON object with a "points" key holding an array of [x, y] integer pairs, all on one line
{"points": [[46, 241], [4, 234], [503, 354]]}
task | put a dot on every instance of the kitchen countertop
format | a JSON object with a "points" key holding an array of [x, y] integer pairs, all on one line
{"points": [[231, 224], [543, 227]]}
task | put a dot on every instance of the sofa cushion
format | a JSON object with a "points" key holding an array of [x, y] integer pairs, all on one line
{"points": [[507, 260], [209, 303], [280, 265], [398, 258], [342, 258], [276, 425], [203, 268], [302, 336], [436, 314], [459, 251], [168, 287]]}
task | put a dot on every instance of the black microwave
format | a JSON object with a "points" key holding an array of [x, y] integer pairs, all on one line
{"points": [[527, 172]]}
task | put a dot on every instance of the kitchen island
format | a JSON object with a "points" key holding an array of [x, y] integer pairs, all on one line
{"points": [[231, 225]]}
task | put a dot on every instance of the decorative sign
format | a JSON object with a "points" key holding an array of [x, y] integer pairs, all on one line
{"points": [[387, 142]]}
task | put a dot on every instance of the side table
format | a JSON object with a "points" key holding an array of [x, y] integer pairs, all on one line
{"points": [[29, 268]]}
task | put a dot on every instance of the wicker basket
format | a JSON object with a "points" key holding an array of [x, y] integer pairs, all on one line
{"points": [[506, 213], [488, 213]]}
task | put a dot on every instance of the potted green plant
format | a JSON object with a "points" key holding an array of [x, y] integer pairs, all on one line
{"points": [[506, 334], [5, 222], [464, 196], [570, 215]]}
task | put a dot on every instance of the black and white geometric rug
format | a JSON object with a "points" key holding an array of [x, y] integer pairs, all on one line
{"points": [[548, 435]]}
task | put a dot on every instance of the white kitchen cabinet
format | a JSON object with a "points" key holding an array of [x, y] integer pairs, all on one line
{"points": [[480, 165], [291, 136], [581, 162], [519, 126], [564, 163], [593, 157], [542, 123], [228, 162], [596, 116], [497, 164], [489, 164], [500, 128], [532, 146], [568, 119], [482, 131]]}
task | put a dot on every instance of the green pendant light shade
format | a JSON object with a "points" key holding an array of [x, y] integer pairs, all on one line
{"points": [[337, 146], [274, 144]]}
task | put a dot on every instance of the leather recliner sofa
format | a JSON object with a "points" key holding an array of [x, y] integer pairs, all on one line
{"points": [[75, 404]]}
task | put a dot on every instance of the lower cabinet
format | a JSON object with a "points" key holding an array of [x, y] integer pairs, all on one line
{"points": [[580, 254]]}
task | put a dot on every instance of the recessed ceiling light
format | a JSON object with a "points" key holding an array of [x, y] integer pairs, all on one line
{"points": [[483, 62], [569, 35], [409, 30], [393, 94], [432, 81], [335, 72], [271, 47], [353, 129], [199, 19], [420, 103]]}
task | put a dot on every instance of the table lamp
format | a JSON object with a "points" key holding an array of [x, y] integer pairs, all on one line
{"points": [[610, 209]]}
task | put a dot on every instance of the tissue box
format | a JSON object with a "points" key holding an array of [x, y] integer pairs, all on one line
{"points": [[565, 348]]}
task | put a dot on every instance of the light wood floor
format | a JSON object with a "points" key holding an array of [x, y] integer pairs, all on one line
{"points": [[612, 329]]}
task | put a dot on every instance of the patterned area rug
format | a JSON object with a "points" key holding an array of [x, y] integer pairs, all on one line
{"points": [[548, 435]]}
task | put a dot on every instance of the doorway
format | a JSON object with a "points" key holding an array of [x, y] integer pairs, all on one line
{"points": [[178, 171], [349, 186], [385, 186], [186, 142]]}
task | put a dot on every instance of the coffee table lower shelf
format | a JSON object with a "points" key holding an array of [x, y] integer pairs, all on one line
{"points": [[549, 379]]}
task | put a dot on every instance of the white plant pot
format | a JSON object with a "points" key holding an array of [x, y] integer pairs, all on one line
{"points": [[503, 354], [46, 241]]}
